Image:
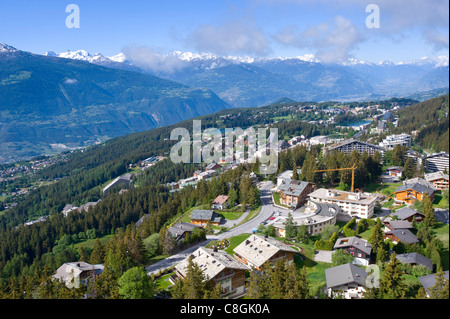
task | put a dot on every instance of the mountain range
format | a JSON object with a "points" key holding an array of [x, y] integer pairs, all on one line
{"points": [[247, 82], [49, 102], [59, 101]]}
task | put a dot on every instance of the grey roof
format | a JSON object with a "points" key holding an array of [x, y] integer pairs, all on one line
{"points": [[211, 262], [258, 250], [202, 214], [404, 235], [212, 166], [291, 188], [345, 274], [351, 140], [75, 268], [354, 241], [180, 228], [429, 281], [415, 258], [420, 181], [399, 224], [441, 154], [206, 215], [418, 187], [406, 212], [436, 175], [141, 220], [326, 209], [395, 168]]}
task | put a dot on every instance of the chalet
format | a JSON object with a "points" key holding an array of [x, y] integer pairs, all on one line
{"points": [[359, 248], [409, 214], [420, 181], [396, 171], [212, 167], [206, 174], [219, 268], [347, 280], [401, 235], [293, 193], [179, 231], [257, 251], [286, 175], [429, 281], [79, 273], [396, 224], [438, 179], [415, 259], [69, 208], [409, 193], [221, 202], [205, 217]]}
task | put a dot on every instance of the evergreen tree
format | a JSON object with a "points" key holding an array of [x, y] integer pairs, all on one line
{"points": [[392, 285], [136, 284], [295, 173], [440, 289], [409, 169], [429, 219], [377, 237], [289, 227]]}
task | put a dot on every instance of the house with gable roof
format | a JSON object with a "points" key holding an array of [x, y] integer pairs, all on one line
{"points": [[219, 267], [257, 251], [347, 280]]}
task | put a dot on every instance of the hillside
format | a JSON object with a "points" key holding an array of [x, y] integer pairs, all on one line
{"points": [[47, 100], [430, 119]]}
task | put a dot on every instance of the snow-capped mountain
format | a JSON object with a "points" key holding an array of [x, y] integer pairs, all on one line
{"points": [[249, 81], [210, 60], [85, 56], [4, 48]]}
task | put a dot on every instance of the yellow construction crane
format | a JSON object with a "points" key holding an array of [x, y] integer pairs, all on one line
{"points": [[353, 168]]}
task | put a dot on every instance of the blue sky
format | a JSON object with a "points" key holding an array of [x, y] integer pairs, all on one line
{"points": [[331, 30]]}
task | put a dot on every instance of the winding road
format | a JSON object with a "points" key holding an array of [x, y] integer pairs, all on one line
{"points": [[267, 209]]}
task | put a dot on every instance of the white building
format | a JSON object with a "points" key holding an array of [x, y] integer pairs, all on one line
{"points": [[346, 280], [393, 140], [316, 217], [360, 205], [437, 162], [317, 140]]}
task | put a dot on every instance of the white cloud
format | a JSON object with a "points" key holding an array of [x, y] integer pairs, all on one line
{"points": [[149, 59], [70, 81], [332, 43], [235, 37]]}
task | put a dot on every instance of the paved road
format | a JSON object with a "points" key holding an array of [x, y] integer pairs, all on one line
{"points": [[267, 209]]}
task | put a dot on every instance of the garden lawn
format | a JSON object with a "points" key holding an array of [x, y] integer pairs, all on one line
{"points": [[236, 241], [89, 243], [163, 282], [441, 231]]}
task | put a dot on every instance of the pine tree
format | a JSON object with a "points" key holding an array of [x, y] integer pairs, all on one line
{"points": [[295, 173], [377, 238], [289, 227], [440, 289], [194, 282], [392, 285], [428, 211], [409, 169]]}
